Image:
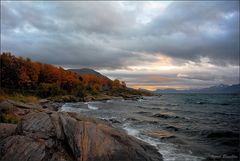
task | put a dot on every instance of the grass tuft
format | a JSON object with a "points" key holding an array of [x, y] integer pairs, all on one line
{"points": [[20, 98]]}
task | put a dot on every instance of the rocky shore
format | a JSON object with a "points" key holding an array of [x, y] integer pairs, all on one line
{"points": [[100, 97], [41, 133]]}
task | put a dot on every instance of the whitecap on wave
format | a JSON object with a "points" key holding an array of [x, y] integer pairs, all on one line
{"points": [[131, 131], [91, 107], [69, 107], [140, 100], [168, 150], [109, 101]]}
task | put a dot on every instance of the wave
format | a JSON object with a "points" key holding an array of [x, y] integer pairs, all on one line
{"points": [[141, 100], [169, 152], [166, 116], [170, 127], [147, 122], [212, 103], [113, 120], [70, 107], [91, 107], [223, 134], [109, 101], [225, 138], [227, 114], [151, 108], [172, 104], [144, 113], [131, 119], [198, 102], [130, 131], [161, 134]]}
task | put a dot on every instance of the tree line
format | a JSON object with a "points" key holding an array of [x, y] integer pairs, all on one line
{"points": [[23, 75]]}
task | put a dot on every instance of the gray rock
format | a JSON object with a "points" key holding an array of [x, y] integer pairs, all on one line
{"points": [[38, 123], [48, 135], [22, 148], [7, 130], [24, 105]]}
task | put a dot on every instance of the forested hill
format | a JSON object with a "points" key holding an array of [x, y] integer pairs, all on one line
{"points": [[21, 75], [83, 71]]}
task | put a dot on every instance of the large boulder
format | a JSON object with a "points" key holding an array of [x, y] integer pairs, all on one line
{"points": [[48, 135]]}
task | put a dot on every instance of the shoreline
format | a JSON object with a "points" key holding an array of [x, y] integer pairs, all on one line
{"points": [[55, 104], [39, 127], [161, 119]]}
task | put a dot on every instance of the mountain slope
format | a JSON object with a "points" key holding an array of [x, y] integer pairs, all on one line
{"points": [[88, 71]]}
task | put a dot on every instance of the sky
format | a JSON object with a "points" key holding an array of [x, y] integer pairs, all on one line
{"points": [[148, 44]]}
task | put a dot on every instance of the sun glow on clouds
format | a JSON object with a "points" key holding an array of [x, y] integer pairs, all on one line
{"points": [[152, 88], [160, 63], [164, 72]]}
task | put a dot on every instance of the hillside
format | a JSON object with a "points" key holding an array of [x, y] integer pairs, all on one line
{"points": [[24, 76], [89, 71]]}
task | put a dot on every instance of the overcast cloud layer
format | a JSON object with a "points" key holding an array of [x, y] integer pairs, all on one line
{"points": [[148, 44]]}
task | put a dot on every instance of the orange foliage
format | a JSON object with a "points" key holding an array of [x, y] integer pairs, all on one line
{"points": [[25, 75]]}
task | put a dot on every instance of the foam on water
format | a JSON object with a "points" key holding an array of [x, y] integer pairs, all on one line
{"points": [[91, 107], [188, 120], [115, 100], [130, 131], [168, 151], [140, 100], [67, 107]]}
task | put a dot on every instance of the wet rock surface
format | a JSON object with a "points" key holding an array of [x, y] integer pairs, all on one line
{"points": [[161, 134], [43, 134]]}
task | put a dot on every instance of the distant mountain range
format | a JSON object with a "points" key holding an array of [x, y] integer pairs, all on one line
{"points": [[88, 71], [221, 88]]}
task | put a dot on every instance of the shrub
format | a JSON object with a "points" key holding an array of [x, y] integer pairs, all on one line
{"points": [[2, 98], [24, 99], [9, 118]]}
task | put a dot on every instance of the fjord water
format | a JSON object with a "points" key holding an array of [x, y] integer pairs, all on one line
{"points": [[181, 126]]}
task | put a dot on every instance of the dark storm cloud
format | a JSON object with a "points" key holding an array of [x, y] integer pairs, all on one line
{"points": [[65, 33], [188, 17], [191, 30], [105, 34]]}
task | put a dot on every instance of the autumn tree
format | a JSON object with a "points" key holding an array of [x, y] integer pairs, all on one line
{"points": [[116, 84], [26, 75]]}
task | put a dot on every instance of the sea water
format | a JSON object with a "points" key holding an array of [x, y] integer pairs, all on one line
{"points": [[198, 126]]}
